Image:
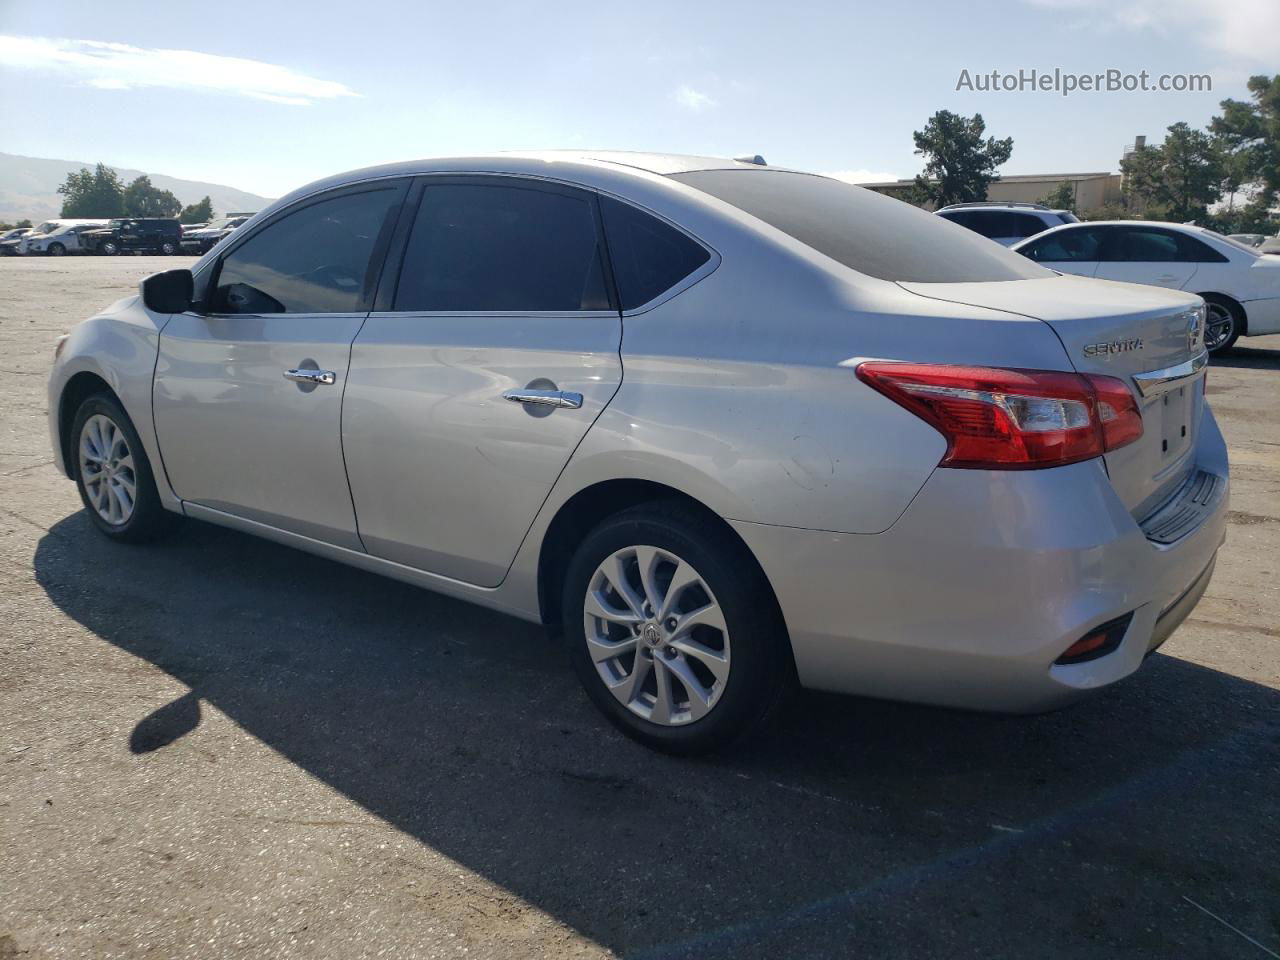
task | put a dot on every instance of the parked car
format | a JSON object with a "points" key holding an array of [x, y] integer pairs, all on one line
{"points": [[203, 239], [1271, 246], [1240, 287], [9, 241], [1248, 239], [135, 235], [55, 238], [418, 370], [1006, 223]]}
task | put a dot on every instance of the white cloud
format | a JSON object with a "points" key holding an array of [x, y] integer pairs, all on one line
{"points": [[1249, 29], [860, 176], [119, 66], [694, 100]]}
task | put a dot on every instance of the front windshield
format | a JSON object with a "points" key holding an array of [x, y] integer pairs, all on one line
{"points": [[47, 227], [221, 224]]}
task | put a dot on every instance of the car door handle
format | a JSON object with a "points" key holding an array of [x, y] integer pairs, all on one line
{"points": [[1167, 278], [311, 376], [546, 398]]}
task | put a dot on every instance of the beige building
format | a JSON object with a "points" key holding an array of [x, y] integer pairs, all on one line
{"points": [[1092, 190]]}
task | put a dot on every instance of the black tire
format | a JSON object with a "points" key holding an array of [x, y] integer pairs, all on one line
{"points": [[168, 248], [109, 249], [1222, 310], [761, 670], [148, 519], [55, 250]]}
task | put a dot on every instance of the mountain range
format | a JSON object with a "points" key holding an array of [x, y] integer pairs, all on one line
{"points": [[29, 188]]}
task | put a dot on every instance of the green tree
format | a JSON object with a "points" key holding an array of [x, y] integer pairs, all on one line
{"points": [[959, 163], [1061, 197], [91, 195], [201, 212], [144, 199], [1177, 180], [1248, 134]]}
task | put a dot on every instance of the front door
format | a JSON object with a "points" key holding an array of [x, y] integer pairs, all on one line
{"points": [[248, 393], [472, 384]]}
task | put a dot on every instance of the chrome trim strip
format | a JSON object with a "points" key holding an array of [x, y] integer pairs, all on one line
{"points": [[1158, 381]]}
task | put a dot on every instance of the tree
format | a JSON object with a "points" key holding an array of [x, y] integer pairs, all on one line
{"points": [[144, 199], [1061, 197], [201, 212], [959, 163], [1248, 135], [1192, 173], [93, 195]]}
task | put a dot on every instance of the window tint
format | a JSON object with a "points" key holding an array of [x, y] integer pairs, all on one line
{"points": [[649, 257], [1197, 251], [1066, 246], [874, 234], [315, 260], [1025, 225], [1141, 246], [492, 247]]}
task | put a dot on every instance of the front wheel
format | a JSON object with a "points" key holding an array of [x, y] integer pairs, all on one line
{"points": [[1222, 325], [109, 249], [168, 248], [56, 250], [113, 473], [673, 629]]}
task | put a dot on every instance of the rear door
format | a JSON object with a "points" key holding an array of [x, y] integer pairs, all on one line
{"points": [[492, 349], [1145, 255]]}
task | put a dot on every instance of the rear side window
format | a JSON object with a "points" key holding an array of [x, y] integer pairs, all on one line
{"points": [[482, 247], [649, 257], [1141, 246], [871, 233], [315, 260]]}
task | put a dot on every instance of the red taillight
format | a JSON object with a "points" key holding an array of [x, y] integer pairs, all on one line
{"points": [[1012, 419]]}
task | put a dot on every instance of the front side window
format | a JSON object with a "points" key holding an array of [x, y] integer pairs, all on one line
{"points": [[866, 231], [314, 260], [1065, 246], [649, 257], [498, 247]]}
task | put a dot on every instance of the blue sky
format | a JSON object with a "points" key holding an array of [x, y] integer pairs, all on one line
{"points": [[268, 95]]}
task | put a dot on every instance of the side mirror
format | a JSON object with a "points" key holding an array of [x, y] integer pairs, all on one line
{"points": [[168, 292]]}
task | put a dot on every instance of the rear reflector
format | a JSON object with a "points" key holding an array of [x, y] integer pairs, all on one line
{"points": [[1097, 642], [1009, 419]]}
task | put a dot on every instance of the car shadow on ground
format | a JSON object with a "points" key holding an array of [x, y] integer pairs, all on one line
{"points": [[912, 830], [1245, 358]]}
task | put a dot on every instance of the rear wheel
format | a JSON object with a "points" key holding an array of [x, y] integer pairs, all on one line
{"points": [[1223, 324], [114, 475], [110, 248], [673, 629]]}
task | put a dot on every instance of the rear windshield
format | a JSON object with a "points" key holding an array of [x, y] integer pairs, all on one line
{"points": [[874, 234]]}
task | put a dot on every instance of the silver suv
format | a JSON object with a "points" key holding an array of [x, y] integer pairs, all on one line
{"points": [[1006, 223], [723, 427]]}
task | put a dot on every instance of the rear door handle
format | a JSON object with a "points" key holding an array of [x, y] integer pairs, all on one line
{"points": [[546, 398], [305, 375]]}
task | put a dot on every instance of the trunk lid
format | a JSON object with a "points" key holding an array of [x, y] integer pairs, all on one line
{"points": [[1119, 330]]}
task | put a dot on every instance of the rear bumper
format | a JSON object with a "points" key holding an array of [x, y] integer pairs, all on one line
{"points": [[986, 579], [1262, 316]]}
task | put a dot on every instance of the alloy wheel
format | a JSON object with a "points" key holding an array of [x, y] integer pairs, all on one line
{"points": [[656, 635], [1219, 325], [106, 469]]}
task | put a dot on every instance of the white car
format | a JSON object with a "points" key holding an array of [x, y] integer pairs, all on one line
{"points": [[54, 238], [1240, 286], [1005, 223]]}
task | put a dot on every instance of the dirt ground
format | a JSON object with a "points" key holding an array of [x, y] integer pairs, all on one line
{"points": [[219, 747]]}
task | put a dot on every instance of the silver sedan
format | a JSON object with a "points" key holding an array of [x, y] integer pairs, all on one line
{"points": [[725, 428]]}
